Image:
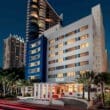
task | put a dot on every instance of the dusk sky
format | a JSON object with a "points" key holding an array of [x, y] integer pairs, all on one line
{"points": [[13, 16]]}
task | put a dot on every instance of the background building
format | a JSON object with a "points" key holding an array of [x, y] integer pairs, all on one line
{"points": [[40, 17], [13, 52]]}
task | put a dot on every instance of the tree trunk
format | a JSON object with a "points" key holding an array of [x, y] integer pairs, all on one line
{"points": [[83, 95], [89, 87], [102, 93], [4, 89]]}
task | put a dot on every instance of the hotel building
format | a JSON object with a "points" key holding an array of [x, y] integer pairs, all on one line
{"points": [[71, 51], [40, 17], [13, 52]]}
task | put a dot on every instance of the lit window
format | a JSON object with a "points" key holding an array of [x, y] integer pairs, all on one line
{"points": [[60, 52], [83, 28], [51, 55], [60, 60], [34, 6], [34, 14], [35, 44], [34, 70], [71, 41], [35, 50], [35, 64], [60, 45], [41, 23], [84, 63], [84, 45], [84, 37], [71, 74], [35, 57], [51, 48], [60, 75], [51, 41], [35, 1]]}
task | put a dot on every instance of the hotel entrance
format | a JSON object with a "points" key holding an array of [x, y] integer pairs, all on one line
{"points": [[69, 89]]}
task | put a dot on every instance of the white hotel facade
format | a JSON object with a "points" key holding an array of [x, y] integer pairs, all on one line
{"points": [[72, 50]]}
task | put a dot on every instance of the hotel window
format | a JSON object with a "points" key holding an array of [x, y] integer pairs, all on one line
{"points": [[84, 63], [34, 70], [71, 41], [52, 41], [35, 1], [51, 62], [71, 74], [35, 50], [51, 55], [60, 45], [59, 38], [83, 28], [51, 48], [84, 37], [35, 44], [34, 64], [70, 33], [60, 52], [70, 49], [34, 14], [60, 75], [59, 67], [70, 57], [60, 60], [84, 54], [69, 66], [51, 69], [34, 6], [41, 23], [84, 45], [35, 57]]}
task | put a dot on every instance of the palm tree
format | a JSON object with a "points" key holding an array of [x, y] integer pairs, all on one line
{"points": [[102, 78]]}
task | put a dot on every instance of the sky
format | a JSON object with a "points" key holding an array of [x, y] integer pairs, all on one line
{"points": [[13, 16]]}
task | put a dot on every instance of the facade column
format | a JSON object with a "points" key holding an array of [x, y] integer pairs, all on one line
{"points": [[35, 90], [39, 91], [46, 91]]}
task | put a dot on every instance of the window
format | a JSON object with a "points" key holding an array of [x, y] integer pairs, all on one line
{"points": [[60, 60], [34, 64], [35, 57], [52, 41], [35, 50], [83, 28], [71, 74], [34, 14], [34, 6], [84, 37], [60, 45], [71, 41], [51, 62], [35, 44], [59, 67], [70, 33], [60, 52], [84, 45], [59, 38], [35, 1], [84, 54], [51, 69], [60, 75], [69, 66], [84, 63], [34, 70], [51, 55], [51, 48], [70, 57]]}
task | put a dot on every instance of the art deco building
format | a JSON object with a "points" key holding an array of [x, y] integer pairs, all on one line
{"points": [[70, 52], [13, 52]]}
